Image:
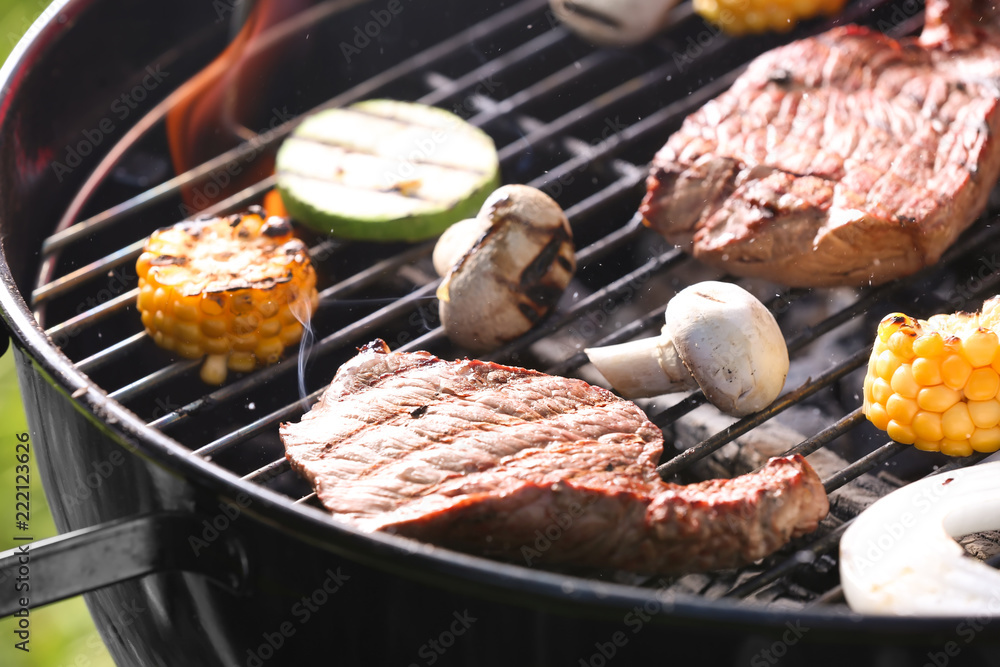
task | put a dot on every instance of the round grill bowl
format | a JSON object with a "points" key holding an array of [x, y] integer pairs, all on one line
{"points": [[187, 563]]}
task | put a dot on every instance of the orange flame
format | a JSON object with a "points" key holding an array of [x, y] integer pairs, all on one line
{"points": [[216, 105]]}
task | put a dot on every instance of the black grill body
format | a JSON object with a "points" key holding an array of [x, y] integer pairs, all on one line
{"points": [[204, 549]]}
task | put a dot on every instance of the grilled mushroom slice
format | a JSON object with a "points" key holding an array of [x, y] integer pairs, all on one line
{"points": [[614, 22], [504, 270], [718, 337]]}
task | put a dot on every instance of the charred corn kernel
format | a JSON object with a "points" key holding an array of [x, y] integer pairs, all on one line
{"points": [[218, 288], [935, 383], [755, 16]]}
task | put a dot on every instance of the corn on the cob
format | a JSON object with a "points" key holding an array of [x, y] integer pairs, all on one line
{"points": [[935, 383], [738, 17], [237, 289]]}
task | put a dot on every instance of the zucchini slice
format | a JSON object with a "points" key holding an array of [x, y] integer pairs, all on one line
{"points": [[384, 170]]}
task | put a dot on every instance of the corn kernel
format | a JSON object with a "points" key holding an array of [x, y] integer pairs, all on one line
{"points": [[203, 306], [927, 426], [291, 334], [901, 409], [269, 350], [187, 332], [927, 445], [982, 384], [928, 345], [927, 372], [956, 447], [212, 305], [955, 371], [242, 362], [957, 423], [985, 414], [213, 327], [986, 440], [881, 391], [902, 382], [219, 345], [188, 350], [269, 328], [901, 433], [938, 399], [979, 347], [877, 416], [186, 312], [901, 344], [246, 324]]}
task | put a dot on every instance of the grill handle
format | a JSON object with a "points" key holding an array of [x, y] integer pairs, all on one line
{"points": [[40, 572], [4, 338]]}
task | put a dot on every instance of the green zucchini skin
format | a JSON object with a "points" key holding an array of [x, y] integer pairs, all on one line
{"points": [[384, 170]]}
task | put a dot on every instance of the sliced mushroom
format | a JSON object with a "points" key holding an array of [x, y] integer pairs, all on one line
{"points": [[718, 337], [505, 270], [614, 22]]}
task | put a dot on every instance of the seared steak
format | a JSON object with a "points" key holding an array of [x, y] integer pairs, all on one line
{"points": [[845, 159], [529, 467]]}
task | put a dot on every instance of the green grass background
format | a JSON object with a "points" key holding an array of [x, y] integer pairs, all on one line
{"points": [[62, 634]]}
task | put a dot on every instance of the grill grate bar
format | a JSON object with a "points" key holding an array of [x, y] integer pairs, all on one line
{"points": [[65, 282], [612, 290], [863, 465], [111, 353], [829, 434], [271, 471], [257, 427], [626, 332], [534, 48], [807, 554], [748, 423], [169, 372], [546, 87], [74, 325], [241, 387]]}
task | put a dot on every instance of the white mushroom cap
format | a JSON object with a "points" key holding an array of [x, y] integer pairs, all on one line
{"points": [[456, 241], [507, 272], [731, 344], [614, 22]]}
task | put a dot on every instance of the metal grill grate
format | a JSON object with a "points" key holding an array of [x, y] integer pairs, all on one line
{"points": [[555, 108]]}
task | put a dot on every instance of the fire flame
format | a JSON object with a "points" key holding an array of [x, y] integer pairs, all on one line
{"points": [[217, 104]]}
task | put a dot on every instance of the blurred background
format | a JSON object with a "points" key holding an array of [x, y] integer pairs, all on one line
{"points": [[62, 635]]}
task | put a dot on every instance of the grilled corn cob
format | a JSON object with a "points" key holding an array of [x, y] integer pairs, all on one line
{"points": [[738, 17], [236, 290], [935, 383]]}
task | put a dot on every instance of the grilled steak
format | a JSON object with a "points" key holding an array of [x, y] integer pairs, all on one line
{"points": [[530, 467], [845, 159]]}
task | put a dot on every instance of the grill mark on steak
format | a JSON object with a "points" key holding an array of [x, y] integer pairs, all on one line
{"points": [[846, 158], [478, 456]]}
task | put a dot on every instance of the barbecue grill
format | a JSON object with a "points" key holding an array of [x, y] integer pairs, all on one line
{"points": [[191, 538]]}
